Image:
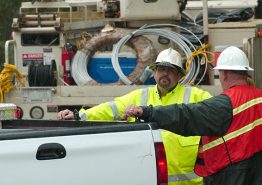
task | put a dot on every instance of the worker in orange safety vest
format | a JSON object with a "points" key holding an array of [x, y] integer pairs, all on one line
{"points": [[230, 125]]}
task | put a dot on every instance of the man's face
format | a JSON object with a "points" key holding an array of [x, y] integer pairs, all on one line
{"points": [[166, 77]]}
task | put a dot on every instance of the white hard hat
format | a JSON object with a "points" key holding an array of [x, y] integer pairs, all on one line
{"points": [[233, 58], [169, 58]]}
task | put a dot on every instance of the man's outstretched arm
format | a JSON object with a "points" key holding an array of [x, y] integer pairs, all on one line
{"points": [[209, 117]]}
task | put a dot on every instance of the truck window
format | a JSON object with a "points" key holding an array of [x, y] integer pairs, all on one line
{"points": [[40, 39]]}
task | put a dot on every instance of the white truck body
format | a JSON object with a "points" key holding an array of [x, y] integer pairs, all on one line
{"points": [[45, 102], [114, 154]]}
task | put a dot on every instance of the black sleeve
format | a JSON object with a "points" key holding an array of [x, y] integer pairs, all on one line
{"points": [[211, 117]]}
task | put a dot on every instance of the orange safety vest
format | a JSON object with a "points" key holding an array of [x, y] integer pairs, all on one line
{"points": [[243, 138]]}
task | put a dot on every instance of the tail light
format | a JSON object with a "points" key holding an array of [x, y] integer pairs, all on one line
{"points": [[161, 163], [18, 113], [258, 32]]}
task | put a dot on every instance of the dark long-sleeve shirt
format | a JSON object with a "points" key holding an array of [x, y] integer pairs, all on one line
{"points": [[211, 117]]}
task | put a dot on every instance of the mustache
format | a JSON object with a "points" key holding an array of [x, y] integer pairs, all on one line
{"points": [[164, 77]]}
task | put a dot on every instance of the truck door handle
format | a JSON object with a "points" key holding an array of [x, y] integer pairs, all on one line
{"points": [[50, 151]]}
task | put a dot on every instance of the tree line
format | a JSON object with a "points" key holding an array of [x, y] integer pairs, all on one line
{"points": [[9, 9]]}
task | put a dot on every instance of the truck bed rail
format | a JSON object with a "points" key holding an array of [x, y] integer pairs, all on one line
{"points": [[51, 128]]}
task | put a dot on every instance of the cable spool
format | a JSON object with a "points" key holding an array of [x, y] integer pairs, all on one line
{"points": [[145, 54], [42, 75]]}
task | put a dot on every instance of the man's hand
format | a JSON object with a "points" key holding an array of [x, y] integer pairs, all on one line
{"points": [[65, 115], [132, 111]]}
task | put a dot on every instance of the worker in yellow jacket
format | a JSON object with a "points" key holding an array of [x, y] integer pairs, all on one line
{"points": [[181, 152]]}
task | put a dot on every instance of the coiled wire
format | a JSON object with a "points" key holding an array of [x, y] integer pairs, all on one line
{"points": [[79, 68], [183, 43]]}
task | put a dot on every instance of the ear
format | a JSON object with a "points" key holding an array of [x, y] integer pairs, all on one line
{"points": [[180, 75]]}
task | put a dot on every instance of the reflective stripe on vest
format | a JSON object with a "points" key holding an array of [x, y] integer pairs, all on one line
{"points": [[182, 177], [238, 132], [187, 94], [247, 105], [82, 116], [114, 109], [231, 135], [144, 97]]}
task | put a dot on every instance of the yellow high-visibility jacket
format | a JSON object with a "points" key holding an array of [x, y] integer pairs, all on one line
{"points": [[181, 152]]}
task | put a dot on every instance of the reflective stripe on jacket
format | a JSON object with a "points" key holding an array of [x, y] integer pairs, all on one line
{"points": [[181, 151], [241, 140]]}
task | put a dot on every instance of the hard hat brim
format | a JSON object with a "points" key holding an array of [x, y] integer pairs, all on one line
{"points": [[234, 68], [167, 64]]}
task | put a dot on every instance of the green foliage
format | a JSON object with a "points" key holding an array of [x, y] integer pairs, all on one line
{"points": [[8, 10]]}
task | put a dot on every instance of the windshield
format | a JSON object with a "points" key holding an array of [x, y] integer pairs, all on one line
{"points": [[40, 39]]}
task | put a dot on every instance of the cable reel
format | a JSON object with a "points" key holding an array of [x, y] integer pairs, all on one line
{"points": [[42, 75]]}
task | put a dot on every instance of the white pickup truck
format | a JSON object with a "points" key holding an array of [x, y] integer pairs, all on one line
{"points": [[45, 152]]}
